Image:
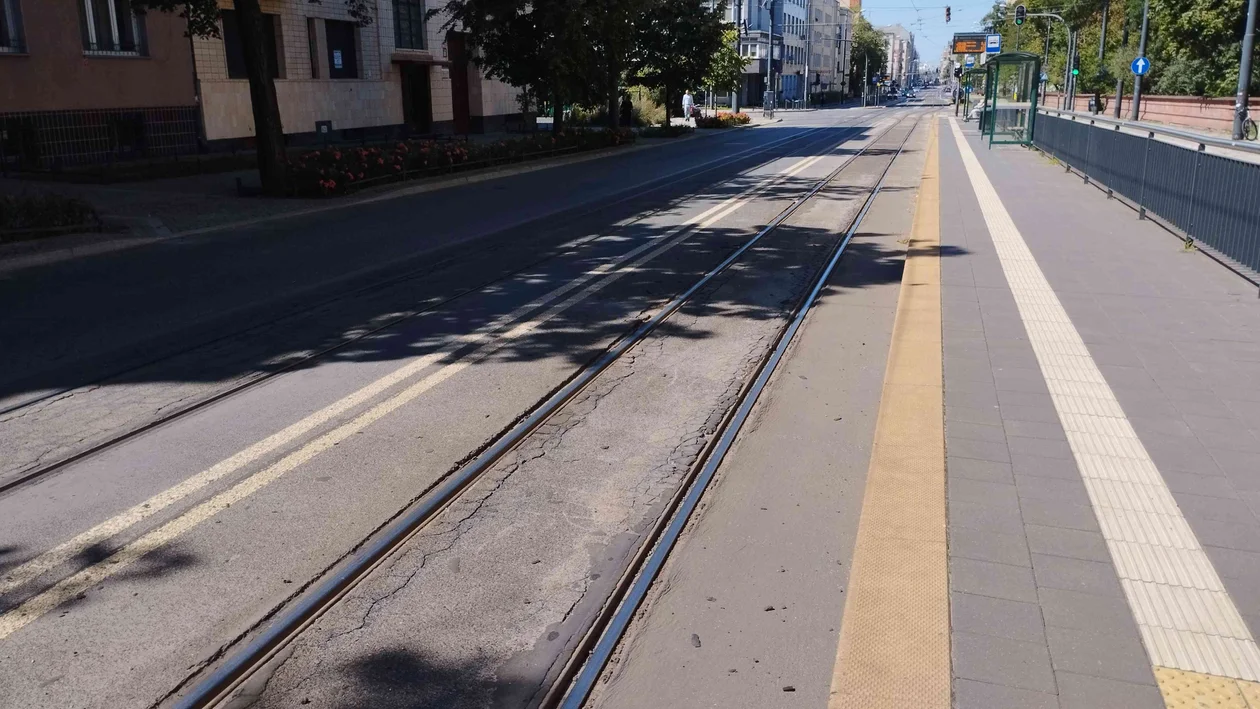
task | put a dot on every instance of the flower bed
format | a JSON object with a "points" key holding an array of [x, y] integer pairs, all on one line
{"points": [[334, 171], [36, 216], [724, 119]]}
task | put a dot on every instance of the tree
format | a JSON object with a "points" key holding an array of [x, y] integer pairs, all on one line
{"points": [[676, 42], [542, 46], [202, 17], [727, 70], [868, 45]]}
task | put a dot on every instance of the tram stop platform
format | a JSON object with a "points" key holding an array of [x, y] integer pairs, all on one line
{"points": [[1013, 463], [1102, 425]]}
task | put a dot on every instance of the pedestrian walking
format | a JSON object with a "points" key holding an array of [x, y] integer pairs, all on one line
{"points": [[689, 105]]}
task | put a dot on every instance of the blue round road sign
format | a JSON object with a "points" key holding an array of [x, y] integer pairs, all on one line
{"points": [[1140, 66]]}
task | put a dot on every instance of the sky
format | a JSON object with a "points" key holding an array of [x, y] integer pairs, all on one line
{"points": [[927, 22]]}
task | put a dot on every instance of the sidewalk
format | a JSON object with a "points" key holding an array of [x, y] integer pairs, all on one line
{"points": [[1102, 391]]}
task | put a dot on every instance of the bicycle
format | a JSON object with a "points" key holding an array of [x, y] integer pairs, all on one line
{"points": [[1250, 130]]}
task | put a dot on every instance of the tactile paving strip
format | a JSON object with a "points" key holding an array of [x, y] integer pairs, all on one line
{"points": [[1194, 690], [894, 638], [1186, 617]]}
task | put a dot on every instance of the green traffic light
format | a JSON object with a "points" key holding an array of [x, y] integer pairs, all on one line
{"points": [[1076, 72]]}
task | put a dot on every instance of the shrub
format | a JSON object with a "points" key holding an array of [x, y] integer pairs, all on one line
{"points": [[664, 131], [39, 212], [724, 119], [333, 171]]}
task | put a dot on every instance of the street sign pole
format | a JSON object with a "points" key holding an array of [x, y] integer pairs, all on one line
{"points": [[1244, 71], [1137, 80], [1124, 47]]}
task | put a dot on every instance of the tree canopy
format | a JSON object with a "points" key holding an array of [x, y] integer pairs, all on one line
{"points": [[1194, 45], [868, 46]]}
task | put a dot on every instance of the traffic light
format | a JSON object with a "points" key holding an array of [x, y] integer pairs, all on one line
{"points": [[957, 71], [1021, 13], [947, 13], [1076, 65]]}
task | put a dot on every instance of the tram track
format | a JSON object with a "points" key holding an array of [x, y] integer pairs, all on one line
{"points": [[176, 412], [571, 686]]}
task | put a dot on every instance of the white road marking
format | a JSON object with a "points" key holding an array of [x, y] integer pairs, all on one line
{"points": [[1185, 616], [73, 585]]}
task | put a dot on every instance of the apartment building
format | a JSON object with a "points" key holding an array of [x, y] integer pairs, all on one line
{"points": [[830, 29], [86, 81], [902, 60], [402, 74]]}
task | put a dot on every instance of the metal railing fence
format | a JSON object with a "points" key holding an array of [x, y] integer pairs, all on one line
{"points": [[1210, 199], [50, 140]]}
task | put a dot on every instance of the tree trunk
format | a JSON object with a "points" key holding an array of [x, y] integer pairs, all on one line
{"points": [[614, 97], [268, 131], [668, 96]]}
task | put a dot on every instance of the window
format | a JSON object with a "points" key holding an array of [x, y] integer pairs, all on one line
{"points": [[343, 58], [234, 48], [409, 24], [110, 27], [11, 39]]}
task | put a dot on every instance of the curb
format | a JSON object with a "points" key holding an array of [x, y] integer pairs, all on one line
{"points": [[150, 230]]}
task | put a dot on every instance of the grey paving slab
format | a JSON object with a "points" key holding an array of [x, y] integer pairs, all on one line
{"points": [[980, 450], [985, 578], [1063, 608], [990, 415], [1086, 692], [1039, 446], [1062, 572], [1041, 466], [1038, 413], [970, 694], [1072, 543], [1001, 661], [1001, 495], [1216, 509], [1207, 485], [970, 468], [987, 545], [985, 518], [996, 617], [1244, 537], [1051, 488], [1099, 654], [1034, 429], [976, 431]]}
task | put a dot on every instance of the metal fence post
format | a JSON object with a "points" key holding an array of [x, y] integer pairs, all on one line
{"points": [[1146, 158], [1109, 190], [1194, 181]]}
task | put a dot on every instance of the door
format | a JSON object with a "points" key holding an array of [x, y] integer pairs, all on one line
{"points": [[417, 99], [458, 52]]}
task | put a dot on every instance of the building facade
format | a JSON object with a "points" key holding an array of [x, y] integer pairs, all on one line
{"points": [[403, 74], [830, 30], [901, 65], [86, 81]]}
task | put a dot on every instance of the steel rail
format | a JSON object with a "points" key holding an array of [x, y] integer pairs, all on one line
{"points": [[178, 412], [220, 683], [573, 688]]}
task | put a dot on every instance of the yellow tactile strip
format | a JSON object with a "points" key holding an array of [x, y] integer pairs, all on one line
{"points": [[894, 640], [1194, 690]]}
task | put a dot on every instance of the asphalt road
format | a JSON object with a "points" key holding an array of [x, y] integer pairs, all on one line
{"points": [[123, 574]]}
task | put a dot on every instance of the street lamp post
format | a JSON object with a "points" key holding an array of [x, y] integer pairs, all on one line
{"points": [[1244, 70]]}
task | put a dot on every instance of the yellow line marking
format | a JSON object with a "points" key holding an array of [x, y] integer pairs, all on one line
{"points": [[894, 641], [1183, 689], [77, 583]]}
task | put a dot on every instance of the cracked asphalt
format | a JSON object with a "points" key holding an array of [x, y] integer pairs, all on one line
{"points": [[481, 603]]}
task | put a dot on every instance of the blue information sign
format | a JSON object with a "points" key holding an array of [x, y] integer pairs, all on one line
{"points": [[1140, 66]]}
